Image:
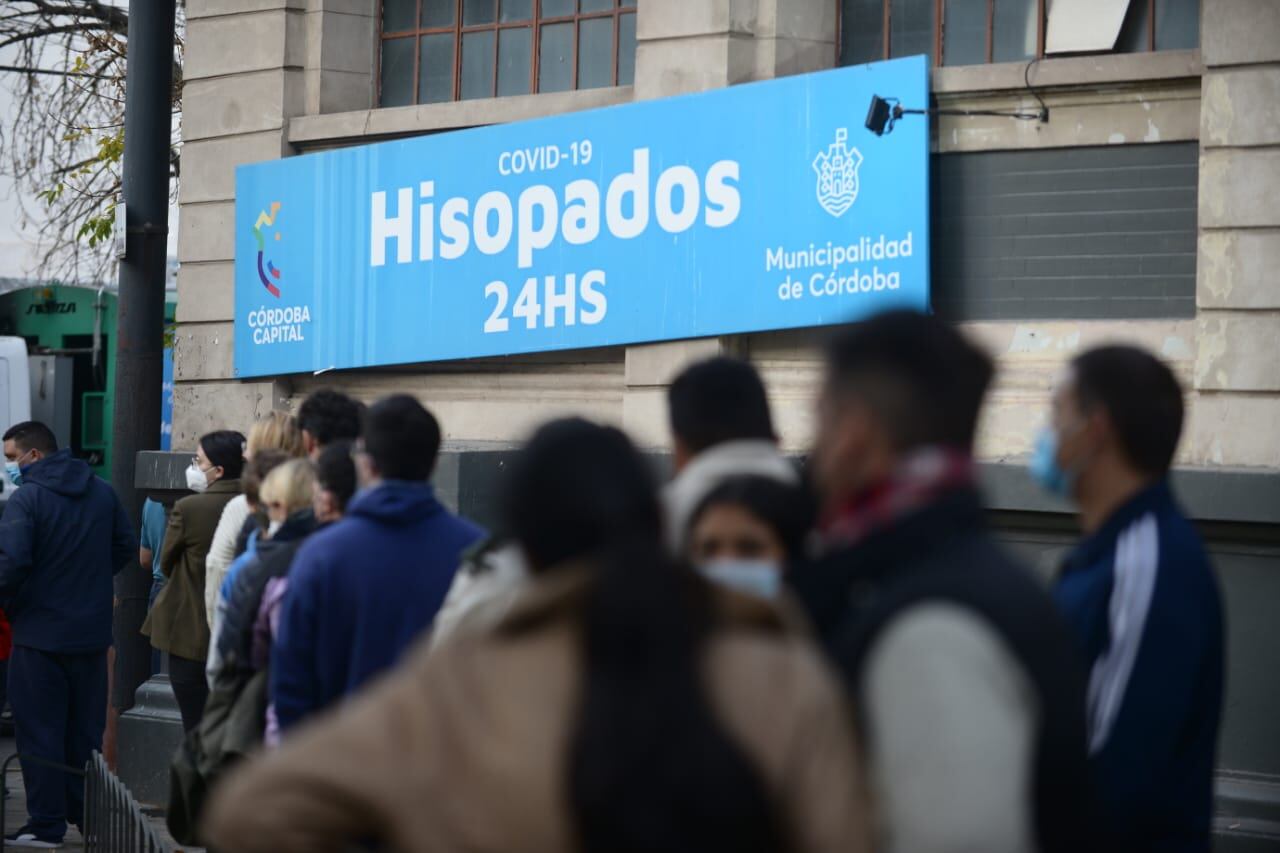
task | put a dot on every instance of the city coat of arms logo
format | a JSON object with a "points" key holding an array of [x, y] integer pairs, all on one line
{"points": [[837, 169]]}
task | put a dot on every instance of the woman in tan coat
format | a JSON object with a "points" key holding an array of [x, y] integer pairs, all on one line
{"points": [[177, 622], [624, 704]]}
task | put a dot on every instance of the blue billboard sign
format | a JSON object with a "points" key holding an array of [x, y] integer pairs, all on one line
{"points": [[166, 401], [756, 207]]}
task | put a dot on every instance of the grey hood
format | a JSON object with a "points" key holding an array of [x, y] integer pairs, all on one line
{"points": [[712, 467]]}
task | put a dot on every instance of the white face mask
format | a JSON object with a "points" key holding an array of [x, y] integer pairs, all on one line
{"points": [[197, 480], [273, 528], [761, 578]]}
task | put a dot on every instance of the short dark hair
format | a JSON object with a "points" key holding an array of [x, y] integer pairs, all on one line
{"points": [[402, 437], [1142, 398], [718, 400], [225, 449], [577, 488], [32, 435], [336, 472], [330, 416], [264, 462], [918, 374], [785, 507]]}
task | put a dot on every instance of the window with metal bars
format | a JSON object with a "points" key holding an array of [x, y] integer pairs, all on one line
{"points": [[454, 50], [974, 32]]}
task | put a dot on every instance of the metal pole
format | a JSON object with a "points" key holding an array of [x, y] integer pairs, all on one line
{"points": [[140, 334]]}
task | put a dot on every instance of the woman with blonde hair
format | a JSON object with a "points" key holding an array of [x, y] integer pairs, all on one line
{"points": [[278, 430], [235, 714], [286, 495]]}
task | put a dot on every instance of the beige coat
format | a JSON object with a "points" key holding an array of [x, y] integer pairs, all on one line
{"points": [[465, 748]]}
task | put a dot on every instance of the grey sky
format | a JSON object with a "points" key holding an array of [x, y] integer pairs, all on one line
{"points": [[18, 244]]}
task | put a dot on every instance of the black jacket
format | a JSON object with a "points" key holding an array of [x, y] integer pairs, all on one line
{"points": [[272, 559], [63, 536], [945, 553]]}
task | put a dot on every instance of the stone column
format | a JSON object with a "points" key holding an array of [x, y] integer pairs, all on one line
{"points": [[684, 47], [244, 78], [1237, 375], [341, 55]]}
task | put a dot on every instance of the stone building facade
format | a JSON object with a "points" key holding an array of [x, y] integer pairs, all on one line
{"points": [[270, 78], [273, 78]]}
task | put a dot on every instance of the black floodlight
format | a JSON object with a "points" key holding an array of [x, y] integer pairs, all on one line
{"points": [[884, 113], [878, 115]]}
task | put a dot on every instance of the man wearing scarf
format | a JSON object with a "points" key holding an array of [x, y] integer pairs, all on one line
{"points": [[968, 697]]}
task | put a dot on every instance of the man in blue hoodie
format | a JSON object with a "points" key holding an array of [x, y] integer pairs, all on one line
{"points": [[63, 536], [1141, 597], [363, 589]]}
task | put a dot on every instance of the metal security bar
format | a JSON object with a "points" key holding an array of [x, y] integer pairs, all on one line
{"points": [[4, 776], [113, 820]]}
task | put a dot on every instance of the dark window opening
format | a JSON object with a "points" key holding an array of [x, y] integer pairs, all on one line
{"points": [[433, 51], [976, 32]]}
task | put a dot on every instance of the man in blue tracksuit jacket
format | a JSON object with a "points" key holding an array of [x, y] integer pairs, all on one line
{"points": [[361, 590], [1141, 598], [63, 536]]}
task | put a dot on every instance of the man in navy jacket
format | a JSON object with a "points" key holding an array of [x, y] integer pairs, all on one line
{"points": [[363, 589], [1141, 597], [63, 536]]}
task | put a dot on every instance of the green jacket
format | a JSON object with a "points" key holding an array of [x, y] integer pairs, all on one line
{"points": [[177, 623], [230, 730]]}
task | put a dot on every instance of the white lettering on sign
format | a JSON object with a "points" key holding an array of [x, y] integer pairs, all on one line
{"points": [[830, 264], [543, 303], [676, 197], [279, 325], [833, 255]]}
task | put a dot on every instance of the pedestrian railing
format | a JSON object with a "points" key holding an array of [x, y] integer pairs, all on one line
{"points": [[4, 780], [113, 820]]}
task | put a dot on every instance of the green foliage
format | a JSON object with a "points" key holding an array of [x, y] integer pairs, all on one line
{"points": [[98, 229], [62, 143], [97, 226]]}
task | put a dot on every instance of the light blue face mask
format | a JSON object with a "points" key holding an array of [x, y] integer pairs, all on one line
{"points": [[760, 578], [14, 472], [1045, 470]]}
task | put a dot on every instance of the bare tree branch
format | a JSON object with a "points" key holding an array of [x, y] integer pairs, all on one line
{"points": [[62, 142], [51, 71]]}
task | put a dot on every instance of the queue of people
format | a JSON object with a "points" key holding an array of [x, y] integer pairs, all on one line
{"points": [[757, 656]]}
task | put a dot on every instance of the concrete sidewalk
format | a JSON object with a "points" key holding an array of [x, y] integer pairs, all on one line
{"points": [[15, 799], [15, 808]]}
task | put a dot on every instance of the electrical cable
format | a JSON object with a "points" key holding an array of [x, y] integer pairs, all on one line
{"points": [[1026, 81], [897, 111]]}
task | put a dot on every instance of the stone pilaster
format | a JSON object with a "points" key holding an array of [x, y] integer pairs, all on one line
{"points": [[244, 78], [1237, 369]]}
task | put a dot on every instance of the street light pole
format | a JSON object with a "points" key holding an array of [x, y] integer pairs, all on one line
{"points": [[140, 333]]}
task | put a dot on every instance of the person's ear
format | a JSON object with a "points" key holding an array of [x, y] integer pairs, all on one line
{"points": [[1099, 431], [366, 470], [681, 455]]}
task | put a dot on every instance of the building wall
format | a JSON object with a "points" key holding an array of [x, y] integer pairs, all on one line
{"points": [[271, 78]]}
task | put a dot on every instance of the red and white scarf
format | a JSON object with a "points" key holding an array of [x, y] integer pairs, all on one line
{"points": [[919, 480]]}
